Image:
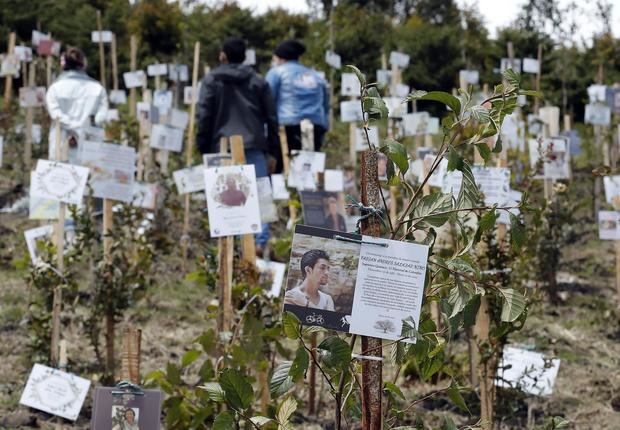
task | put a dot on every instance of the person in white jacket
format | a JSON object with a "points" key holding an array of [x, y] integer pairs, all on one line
{"points": [[76, 100]]}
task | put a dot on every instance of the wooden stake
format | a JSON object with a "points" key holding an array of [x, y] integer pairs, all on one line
{"points": [[225, 268], [372, 378], [60, 261], [29, 121], [248, 244], [48, 70], [353, 144], [130, 357], [536, 99], [189, 152], [114, 63], [101, 52], [8, 80], [133, 42], [286, 162]]}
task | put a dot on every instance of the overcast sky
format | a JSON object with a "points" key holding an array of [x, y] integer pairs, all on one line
{"points": [[496, 13]]}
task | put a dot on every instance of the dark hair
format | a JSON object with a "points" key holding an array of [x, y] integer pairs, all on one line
{"points": [[130, 410], [234, 48], [310, 258], [290, 49], [74, 58]]}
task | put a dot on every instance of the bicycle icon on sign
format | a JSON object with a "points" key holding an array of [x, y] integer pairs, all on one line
{"points": [[315, 319]]}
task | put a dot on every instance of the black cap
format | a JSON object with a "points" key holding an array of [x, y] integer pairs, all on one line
{"points": [[290, 49], [234, 48]]}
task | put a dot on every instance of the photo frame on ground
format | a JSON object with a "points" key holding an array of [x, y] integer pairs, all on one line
{"points": [[115, 410]]}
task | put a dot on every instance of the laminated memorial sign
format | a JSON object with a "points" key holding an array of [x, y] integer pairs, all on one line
{"points": [[323, 209], [162, 99], [232, 200], [528, 371], [126, 410], [190, 180], [9, 65], [250, 57], [350, 111], [361, 144], [506, 64], [333, 180], [513, 199], [304, 167], [55, 392], [278, 185], [23, 53], [33, 236], [157, 69], [104, 36], [531, 65], [493, 182], [399, 59], [48, 47], [37, 37], [216, 160], [613, 99], [31, 97], [513, 132], [598, 114], [144, 195], [112, 115], [59, 181], [384, 77], [135, 79], [112, 167], [597, 93], [556, 157], [178, 72], [333, 60], [401, 90], [178, 118], [609, 225], [437, 178], [271, 274], [189, 95], [268, 210], [396, 107], [118, 97], [349, 85], [470, 77], [416, 123], [166, 138], [612, 189], [355, 284]]}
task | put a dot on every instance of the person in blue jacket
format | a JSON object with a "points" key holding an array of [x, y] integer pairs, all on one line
{"points": [[299, 92]]}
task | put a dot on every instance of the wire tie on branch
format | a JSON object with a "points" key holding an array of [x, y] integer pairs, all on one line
{"points": [[366, 357], [365, 242], [366, 213], [126, 387]]}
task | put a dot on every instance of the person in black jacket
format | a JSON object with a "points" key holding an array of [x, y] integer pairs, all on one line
{"points": [[235, 100]]}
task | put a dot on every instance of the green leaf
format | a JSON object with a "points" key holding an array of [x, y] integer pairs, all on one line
{"points": [[285, 411], [498, 145], [190, 356], [431, 366], [395, 151], [458, 297], [487, 221], [299, 365], [433, 209], [484, 150], [455, 395], [437, 96], [238, 391], [517, 232], [514, 304], [393, 389], [530, 93], [335, 352], [455, 161], [448, 424], [291, 325], [281, 381], [260, 421], [360, 76], [373, 104], [214, 391], [470, 311], [480, 114], [224, 421], [511, 77]]}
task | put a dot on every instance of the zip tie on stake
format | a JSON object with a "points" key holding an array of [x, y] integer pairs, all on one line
{"points": [[366, 357], [126, 387], [366, 212], [347, 239]]}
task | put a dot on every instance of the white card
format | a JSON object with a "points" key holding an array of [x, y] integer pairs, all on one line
{"points": [[157, 69], [268, 210], [493, 182], [612, 188], [166, 138], [31, 97], [59, 181], [104, 36], [506, 64], [416, 123], [597, 93], [609, 225], [432, 126], [333, 60], [349, 85], [113, 168], [112, 115], [399, 59], [23, 53], [55, 392], [401, 90], [350, 111], [278, 185], [37, 37], [528, 371], [384, 77], [118, 97], [162, 99], [189, 96], [333, 180], [597, 114], [389, 287], [437, 178], [304, 167], [135, 79], [178, 72], [361, 144], [556, 155], [178, 118], [232, 200], [469, 77], [513, 132], [250, 57], [514, 197], [35, 234], [271, 272], [396, 107], [530, 65], [144, 195], [44, 209], [190, 180]]}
